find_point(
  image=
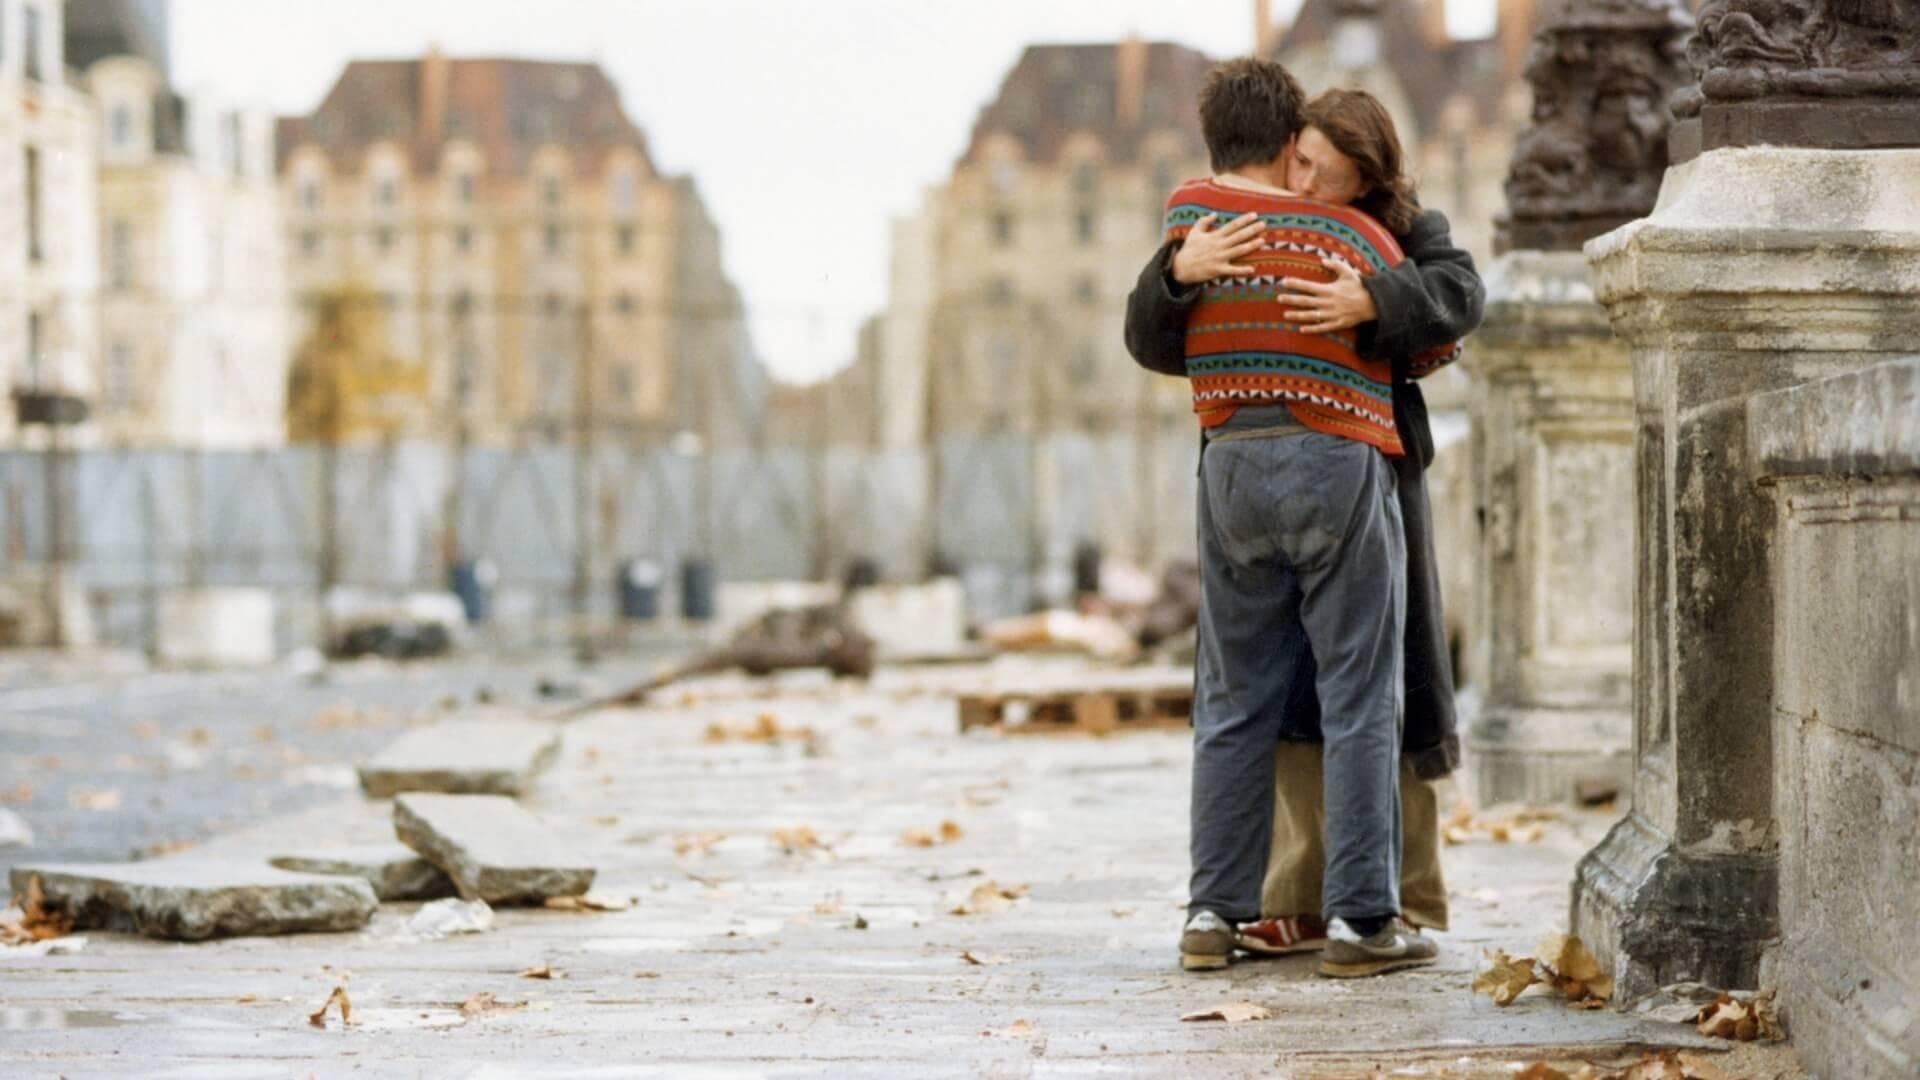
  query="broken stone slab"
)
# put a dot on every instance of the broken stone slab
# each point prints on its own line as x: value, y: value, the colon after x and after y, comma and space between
x: 195, y: 898
x: 473, y: 757
x: 492, y: 848
x: 395, y: 871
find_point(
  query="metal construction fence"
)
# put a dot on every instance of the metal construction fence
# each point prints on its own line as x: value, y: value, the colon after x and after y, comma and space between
x: 559, y: 525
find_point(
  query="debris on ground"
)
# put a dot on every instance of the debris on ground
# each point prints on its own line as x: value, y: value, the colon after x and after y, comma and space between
x: 472, y: 757
x: 193, y: 898
x: 1594, y: 791
x: 1562, y: 962
x: 445, y: 918
x: 989, y: 897
x: 697, y: 843
x: 984, y: 959
x: 1099, y: 636
x: 1744, y: 1018
x: 799, y: 838
x: 485, y: 1003
x: 591, y: 902
x: 395, y: 871
x: 32, y: 922
x: 784, y: 639
x: 1665, y: 1065
x: 1502, y: 824
x: 318, y: 1018
x: 766, y: 728
x: 544, y: 972
x: 949, y: 832
x: 1237, y: 1012
x: 492, y: 848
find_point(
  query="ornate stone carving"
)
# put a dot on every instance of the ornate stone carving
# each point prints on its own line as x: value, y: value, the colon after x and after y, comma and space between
x: 1601, y: 72
x: 1820, y: 73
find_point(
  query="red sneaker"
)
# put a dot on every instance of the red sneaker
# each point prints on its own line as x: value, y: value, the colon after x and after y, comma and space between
x: 1284, y: 935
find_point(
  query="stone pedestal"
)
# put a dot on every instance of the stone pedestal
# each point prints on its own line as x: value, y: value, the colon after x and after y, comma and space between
x: 1760, y: 269
x: 1553, y: 424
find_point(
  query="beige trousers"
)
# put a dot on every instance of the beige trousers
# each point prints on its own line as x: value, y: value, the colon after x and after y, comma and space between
x: 1298, y: 855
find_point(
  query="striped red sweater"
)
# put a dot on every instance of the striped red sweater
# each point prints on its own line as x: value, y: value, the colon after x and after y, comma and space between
x: 1240, y: 349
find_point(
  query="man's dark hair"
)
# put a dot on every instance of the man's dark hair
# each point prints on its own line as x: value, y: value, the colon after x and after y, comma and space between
x: 1249, y: 108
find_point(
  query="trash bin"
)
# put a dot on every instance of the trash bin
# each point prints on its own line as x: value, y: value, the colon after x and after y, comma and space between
x: 473, y: 582
x: 640, y: 589
x: 696, y: 589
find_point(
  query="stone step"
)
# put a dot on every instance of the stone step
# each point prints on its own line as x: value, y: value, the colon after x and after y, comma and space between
x: 395, y: 871
x: 194, y: 898
x: 492, y: 848
x: 475, y: 757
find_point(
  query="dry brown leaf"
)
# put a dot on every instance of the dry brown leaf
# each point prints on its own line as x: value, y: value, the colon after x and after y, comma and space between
x: 36, y: 923
x: 980, y: 960
x: 1728, y: 1017
x: 1530, y: 834
x: 1506, y: 977
x: 1455, y: 835
x: 988, y: 897
x: 1462, y: 815
x: 1540, y: 1070
x: 950, y: 832
x: 484, y: 1003
x: 88, y: 799
x: 1237, y: 1012
x: 797, y: 839
x: 697, y: 843
x: 338, y: 997
x: 1698, y: 1068
x: 544, y: 971
x: 646, y: 974
x: 588, y: 902
x: 917, y: 838
x: 246, y: 999
x: 1020, y: 1027
x: 830, y: 906
x: 1575, y: 972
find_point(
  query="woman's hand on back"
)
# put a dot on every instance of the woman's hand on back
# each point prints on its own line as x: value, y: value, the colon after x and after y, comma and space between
x: 1341, y: 304
x: 1208, y: 254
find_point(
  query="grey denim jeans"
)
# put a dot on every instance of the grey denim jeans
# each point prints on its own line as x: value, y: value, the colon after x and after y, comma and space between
x: 1303, y: 591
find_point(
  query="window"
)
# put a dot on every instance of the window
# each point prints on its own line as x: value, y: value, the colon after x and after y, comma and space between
x: 463, y: 239
x: 623, y: 303
x: 30, y: 30
x: 550, y: 191
x: 462, y: 305
x: 466, y: 375
x: 236, y: 145
x: 383, y: 240
x: 120, y: 253
x: 1086, y: 363
x: 386, y: 192
x: 36, y: 341
x: 463, y: 189
x: 552, y: 305
x: 1085, y: 226
x: 35, y: 250
x: 310, y: 193
x: 1002, y: 227
x: 624, y: 238
x: 119, y: 375
x: 620, y: 380
x: 310, y: 243
x: 120, y: 126
x: 391, y: 303
x: 624, y: 187
x: 554, y: 240
x: 1000, y: 292
x: 1084, y: 289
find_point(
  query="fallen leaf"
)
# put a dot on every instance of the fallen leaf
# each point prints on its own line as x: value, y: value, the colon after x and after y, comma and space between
x: 88, y: 799
x: 917, y: 838
x: 544, y: 971
x: 21, y: 793
x: 1237, y: 1012
x: 829, y: 906
x: 483, y: 1003
x: 169, y: 847
x: 338, y: 997
x: 697, y: 843
x: 988, y: 897
x: 1540, y: 1070
x: 1455, y: 835
x: 988, y: 960
x: 797, y: 839
x: 588, y: 902
x: 1506, y: 978
x: 1728, y: 1017
x: 1576, y: 974
x: 246, y: 999
x: 263, y: 733
x: 950, y: 832
x: 200, y: 736
x: 1019, y: 1027
x: 36, y: 923
x: 646, y: 974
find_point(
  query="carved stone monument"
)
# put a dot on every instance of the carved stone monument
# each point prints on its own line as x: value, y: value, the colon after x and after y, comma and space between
x: 1826, y: 74
x: 1553, y: 410
x: 1772, y: 303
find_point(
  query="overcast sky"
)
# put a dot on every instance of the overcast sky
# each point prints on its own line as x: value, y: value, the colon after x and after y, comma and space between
x: 808, y: 124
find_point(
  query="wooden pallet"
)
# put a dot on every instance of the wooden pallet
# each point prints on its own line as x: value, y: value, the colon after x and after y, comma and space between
x: 1078, y: 710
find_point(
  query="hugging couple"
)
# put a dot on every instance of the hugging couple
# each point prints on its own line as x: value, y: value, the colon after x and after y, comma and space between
x: 1302, y: 291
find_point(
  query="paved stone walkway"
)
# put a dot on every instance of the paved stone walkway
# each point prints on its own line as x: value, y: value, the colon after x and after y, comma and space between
x: 783, y: 926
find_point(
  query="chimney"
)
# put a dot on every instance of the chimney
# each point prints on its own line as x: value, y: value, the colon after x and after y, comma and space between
x: 1129, y: 79
x: 1434, y: 24
x: 432, y: 121
x: 1262, y: 27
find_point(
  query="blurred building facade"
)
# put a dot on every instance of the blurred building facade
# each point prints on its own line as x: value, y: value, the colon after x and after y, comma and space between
x: 528, y: 254
x: 49, y: 260
x: 193, y: 305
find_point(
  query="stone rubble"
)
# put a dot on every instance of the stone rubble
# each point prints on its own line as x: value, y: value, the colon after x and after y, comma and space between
x: 395, y: 871
x: 196, y: 898
x: 492, y: 848
x: 474, y: 757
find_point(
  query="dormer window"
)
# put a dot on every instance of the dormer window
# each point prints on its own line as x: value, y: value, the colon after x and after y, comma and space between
x: 309, y: 193
x: 120, y: 126
x: 550, y: 191
x: 463, y: 189
x: 386, y: 191
x: 624, y: 191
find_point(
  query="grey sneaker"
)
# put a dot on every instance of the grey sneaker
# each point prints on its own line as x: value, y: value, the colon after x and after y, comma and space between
x: 1207, y: 943
x: 1396, y: 946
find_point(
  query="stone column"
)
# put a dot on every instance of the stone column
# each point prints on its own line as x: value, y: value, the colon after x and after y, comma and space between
x: 1761, y: 268
x: 1553, y: 411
